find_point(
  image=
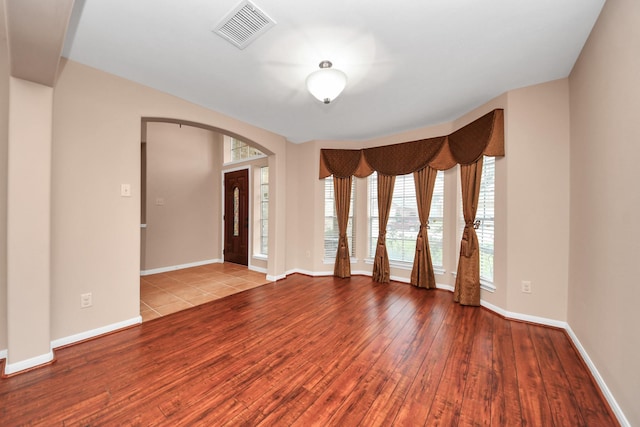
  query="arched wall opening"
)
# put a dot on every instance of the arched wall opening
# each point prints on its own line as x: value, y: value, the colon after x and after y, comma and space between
x: 182, y: 189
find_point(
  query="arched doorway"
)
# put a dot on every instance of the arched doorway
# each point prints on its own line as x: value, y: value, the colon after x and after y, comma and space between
x: 182, y: 217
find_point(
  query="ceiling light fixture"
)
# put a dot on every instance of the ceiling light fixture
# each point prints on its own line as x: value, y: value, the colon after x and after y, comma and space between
x: 326, y: 83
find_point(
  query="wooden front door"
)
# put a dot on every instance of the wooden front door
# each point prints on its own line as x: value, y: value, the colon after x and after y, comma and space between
x: 236, y: 217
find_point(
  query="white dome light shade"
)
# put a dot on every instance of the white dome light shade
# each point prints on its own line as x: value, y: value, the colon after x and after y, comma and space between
x: 326, y: 83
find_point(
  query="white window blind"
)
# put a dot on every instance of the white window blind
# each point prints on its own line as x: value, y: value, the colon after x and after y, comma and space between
x: 436, y: 222
x: 485, y: 214
x: 403, y: 224
x: 331, y: 231
x: 485, y: 218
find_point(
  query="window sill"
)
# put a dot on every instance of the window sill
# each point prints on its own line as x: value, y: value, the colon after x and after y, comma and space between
x: 401, y: 265
x: 484, y: 285
x: 261, y: 257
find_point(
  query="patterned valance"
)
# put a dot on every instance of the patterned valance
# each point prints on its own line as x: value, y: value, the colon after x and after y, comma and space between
x: 484, y: 136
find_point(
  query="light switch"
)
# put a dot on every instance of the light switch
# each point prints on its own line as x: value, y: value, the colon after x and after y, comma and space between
x: 125, y: 190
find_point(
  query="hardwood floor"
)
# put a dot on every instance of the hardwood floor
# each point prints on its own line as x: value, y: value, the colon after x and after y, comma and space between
x: 315, y: 351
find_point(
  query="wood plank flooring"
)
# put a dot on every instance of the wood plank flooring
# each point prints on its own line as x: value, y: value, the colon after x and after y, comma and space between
x: 315, y: 351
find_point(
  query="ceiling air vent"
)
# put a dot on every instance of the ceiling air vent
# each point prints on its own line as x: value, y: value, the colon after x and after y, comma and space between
x: 244, y: 24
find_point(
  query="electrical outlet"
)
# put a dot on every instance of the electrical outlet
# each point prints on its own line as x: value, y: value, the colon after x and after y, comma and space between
x: 86, y: 300
x: 526, y: 286
x: 125, y: 190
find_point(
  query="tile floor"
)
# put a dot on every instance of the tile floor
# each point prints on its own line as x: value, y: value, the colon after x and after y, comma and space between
x: 166, y: 293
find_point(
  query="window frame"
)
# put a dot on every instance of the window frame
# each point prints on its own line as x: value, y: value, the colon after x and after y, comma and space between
x: 329, y: 197
x: 399, y: 222
x: 263, y: 185
x: 372, y: 197
x: 485, y: 284
x: 438, y: 193
x: 486, y: 215
x: 232, y: 145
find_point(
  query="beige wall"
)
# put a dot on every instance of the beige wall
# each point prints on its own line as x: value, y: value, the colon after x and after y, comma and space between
x: 183, y: 170
x: 605, y: 146
x: 4, y: 124
x: 537, y: 200
x: 28, y: 221
x: 304, y: 229
x: 95, y: 231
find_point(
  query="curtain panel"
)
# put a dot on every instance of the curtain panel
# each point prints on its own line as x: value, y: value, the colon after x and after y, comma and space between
x: 467, y: 288
x: 381, y: 269
x: 422, y: 273
x: 342, y: 192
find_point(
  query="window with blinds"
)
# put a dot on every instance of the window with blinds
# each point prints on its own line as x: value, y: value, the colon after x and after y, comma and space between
x: 485, y: 218
x: 436, y: 222
x: 485, y: 214
x: 331, y: 231
x: 404, y: 222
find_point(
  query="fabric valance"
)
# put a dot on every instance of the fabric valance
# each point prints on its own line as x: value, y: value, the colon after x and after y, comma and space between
x: 484, y: 136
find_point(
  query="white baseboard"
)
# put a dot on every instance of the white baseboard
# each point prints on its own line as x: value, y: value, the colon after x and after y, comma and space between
x: 258, y: 269
x: 330, y: 273
x: 325, y: 273
x: 95, y: 332
x: 524, y: 317
x: 12, y: 368
x: 360, y: 273
x: 449, y: 288
x: 398, y: 278
x: 308, y: 272
x: 180, y: 266
x: 603, y: 386
x: 276, y: 278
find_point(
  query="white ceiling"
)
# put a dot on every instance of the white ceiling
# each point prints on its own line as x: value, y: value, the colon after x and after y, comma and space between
x: 410, y: 63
